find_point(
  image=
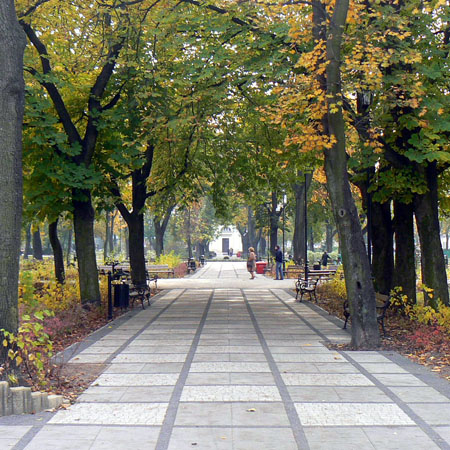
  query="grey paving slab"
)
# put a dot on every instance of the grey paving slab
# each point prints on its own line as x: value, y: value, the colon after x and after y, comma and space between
x: 351, y: 414
x: 432, y: 413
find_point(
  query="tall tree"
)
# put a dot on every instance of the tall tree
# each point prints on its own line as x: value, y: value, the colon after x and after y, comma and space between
x: 12, y: 44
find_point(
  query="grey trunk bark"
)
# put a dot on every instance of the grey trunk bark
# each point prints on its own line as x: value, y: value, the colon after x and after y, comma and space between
x: 427, y: 219
x: 28, y: 250
x: 405, y: 268
x: 37, y: 245
x: 383, y: 247
x: 12, y: 45
x: 83, y: 221
x: 360, y: 291
x: 58, y: 256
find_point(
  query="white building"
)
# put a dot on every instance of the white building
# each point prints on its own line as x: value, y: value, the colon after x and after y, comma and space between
x: 229, y: 238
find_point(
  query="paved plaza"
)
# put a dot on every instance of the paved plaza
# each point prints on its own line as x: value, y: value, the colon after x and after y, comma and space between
x: 223, y: 362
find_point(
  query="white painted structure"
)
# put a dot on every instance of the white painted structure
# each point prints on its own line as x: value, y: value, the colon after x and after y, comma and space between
x: 228, y: 237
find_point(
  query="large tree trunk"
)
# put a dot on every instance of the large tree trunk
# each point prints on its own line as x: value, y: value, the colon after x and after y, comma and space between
x: 12, y: 44
x: 427, y: 219
x: 37, y: 245
x: 382, y: 244
x: 360, y: 291
x: 135, y: 224
x: 83, y: 221
x: 28, y: 250
x: 405, y: 268
x: 298, y: 242
x: 58, y: 256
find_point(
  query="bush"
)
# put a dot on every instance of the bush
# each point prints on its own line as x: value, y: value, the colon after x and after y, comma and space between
x: 171, y: 259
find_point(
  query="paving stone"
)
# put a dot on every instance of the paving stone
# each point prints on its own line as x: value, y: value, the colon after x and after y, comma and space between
x: 259, y: 414
x: 229, y: 367
x: 315, y: 358
x: 324, y: 379
x: 204, y: 414
x: 142, y: 358
x: 112, y: 414
x: 323, y: 438
x: 230, y: 393
x: 124, y: 438
x: 149, y: 394
x: 399, y: 380
x: 413, y: 394
x: 444, y: 432
x: 264, y: 439
x: 383, y: 368
x: 139, y: 379
x: 351, y: 414
x: 393, y: 438
x: 432, y: 413
x: 205, y: 438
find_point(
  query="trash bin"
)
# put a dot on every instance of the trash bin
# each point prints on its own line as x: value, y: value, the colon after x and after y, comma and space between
x: 121, y: 295
x: 260, y: 266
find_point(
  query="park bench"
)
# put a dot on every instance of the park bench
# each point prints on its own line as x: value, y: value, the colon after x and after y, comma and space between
x: 140, y: 292
x: 160, y: 269
x: 294, y: 271
x: 308, y: 286
x: 382, y: 304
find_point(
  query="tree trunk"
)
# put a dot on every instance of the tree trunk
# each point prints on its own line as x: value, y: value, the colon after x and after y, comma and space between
x: 311, y: 238
x: 160, y: 230
x: 405, y: 268
x: 360, y: 292
x: 427, y: 219
x: 69, y: 247
x: 135, y: 224
x: 329, y: 238
x: 58, y: 256
x: 383, y: 247
x: 298, y: 241
x: 37, y: 245
x: 83, y: 221
x: 12, y: 44
x: 28, y: 250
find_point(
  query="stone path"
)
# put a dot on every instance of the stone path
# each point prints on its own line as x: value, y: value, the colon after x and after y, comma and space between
x: 239, y: 368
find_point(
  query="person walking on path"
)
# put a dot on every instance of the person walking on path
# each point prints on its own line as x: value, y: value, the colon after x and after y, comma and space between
x: 278, y: 263
x: 251, y: 262
x: 325, y: 258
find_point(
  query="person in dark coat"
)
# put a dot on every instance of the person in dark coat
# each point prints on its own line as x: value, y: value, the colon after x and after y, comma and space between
x: 278, y: 263
x: 325, y: 258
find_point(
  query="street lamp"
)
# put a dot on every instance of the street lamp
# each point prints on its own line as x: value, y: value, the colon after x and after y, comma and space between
x: 284, y: 221
x: 306, y: 231
x: 268, y: 206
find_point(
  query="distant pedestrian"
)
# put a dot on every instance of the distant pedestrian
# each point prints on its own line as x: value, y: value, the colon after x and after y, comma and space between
x: 278, y: 263
x: 251, y: 262
x: 325, y: 258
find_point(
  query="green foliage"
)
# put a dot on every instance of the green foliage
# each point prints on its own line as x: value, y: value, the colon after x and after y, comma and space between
x: 31, y: 347
x: 171, y: 259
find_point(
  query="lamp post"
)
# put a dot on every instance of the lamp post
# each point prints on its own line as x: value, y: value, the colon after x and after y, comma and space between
x: 306, y: 232
x: 268, y: 207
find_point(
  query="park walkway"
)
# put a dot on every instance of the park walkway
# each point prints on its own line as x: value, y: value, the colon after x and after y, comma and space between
x: 239, y: 367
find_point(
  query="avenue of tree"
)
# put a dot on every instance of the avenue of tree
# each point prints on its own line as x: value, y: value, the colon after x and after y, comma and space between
x: 146, y: 107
